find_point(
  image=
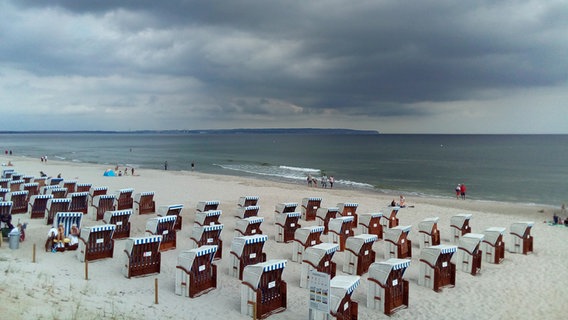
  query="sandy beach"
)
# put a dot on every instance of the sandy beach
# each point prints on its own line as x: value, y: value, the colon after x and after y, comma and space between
x: 529, y: 286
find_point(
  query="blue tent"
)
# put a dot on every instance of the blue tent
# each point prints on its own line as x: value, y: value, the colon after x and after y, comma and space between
x: 109, y: 173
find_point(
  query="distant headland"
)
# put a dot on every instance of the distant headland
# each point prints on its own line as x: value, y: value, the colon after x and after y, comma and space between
x: 211, y: 131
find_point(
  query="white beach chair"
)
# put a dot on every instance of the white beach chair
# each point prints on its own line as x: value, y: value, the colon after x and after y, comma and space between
x: 195, y: 272
x: 246, y: 250
x: 436, y: 269
x: 263, y: 287
x: 387, y: 290
x: 428, y: 232
x: 397, y: 244
x: 318, y: 258
x: 469, y: 253
x: 303, y: 238
x: 521, y: 236
x: 359, y: 253
x: 310, y: 207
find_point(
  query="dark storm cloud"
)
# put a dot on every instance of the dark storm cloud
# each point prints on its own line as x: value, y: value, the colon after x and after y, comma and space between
x: 380, y: 58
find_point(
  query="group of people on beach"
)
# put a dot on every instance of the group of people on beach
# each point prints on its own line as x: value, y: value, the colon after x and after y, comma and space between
x: 324, y: 181
x: 557, y: 217
x: 460, y: 191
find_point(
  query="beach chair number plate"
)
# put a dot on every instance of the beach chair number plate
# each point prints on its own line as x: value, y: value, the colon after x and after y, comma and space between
x: 148, y: 254
x: 313, y: 242
x: 346, y: 305
x: 366, y: 252
x: 201, y: 268
x: 253, y: 231
x: 346, y: 231
x: 402, y: 241
x: 209, y: 240
x: 375, y: 225
x: 252, y: 255
x: 315, y: 207
x: 119, y: 223
x: 292, y: 225
x: 326, y: 264
x: 165, y: 232
x: 101, y: 240
x: 271, y: 284
x: 444, y: 264
x: 395, y: 282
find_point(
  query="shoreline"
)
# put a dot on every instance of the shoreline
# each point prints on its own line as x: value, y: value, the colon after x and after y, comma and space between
x: 54, y: 287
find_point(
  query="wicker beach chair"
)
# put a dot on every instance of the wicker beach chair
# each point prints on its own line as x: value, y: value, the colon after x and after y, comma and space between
x: 359, y: 253
x: 246, y: 250
x: 96, y: 242
x: 436, y: 269
x: 163, y: 226
x: 263, y: 289
x: 387, y: 290
x: 142, y: 256
x: 303, y: 238
x: 172, y: 210
x: 195, y: 272
x: 144, y: 202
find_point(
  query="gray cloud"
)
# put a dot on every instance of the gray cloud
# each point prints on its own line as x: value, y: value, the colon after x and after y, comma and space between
x: 252, y: 63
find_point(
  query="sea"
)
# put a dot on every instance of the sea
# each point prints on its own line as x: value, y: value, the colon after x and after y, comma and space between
x: 530, y: 169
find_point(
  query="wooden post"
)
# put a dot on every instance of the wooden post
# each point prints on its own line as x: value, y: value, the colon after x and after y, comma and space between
x: 253, y: 309
x: 156, y: 291
x: 33, y: 253
x: 86, y: 269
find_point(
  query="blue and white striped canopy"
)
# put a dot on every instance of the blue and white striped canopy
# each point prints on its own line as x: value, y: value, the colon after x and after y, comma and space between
x: 204, y: 250
x: 147, y: 193
x: 6, y: 203
x: 280, y: 264
x: 252, y: 208
x: 400, y: 264
x: 252, y: 220
x: 17, y: 181
x: 211, y: 202
x: 175, y: 207
x: 293, y: 214
x: 44, y: 196
x: 126, y: 190
x: 212, y: 227
x: 290, y: 204
x: 167, y: 218
x: 105, y: 227
x: 446, y: 249
x: 349, y: 204
x: 19, y: 193
x: 84, y: 184
x: 4, y: 190
x: 107, y: 196
x: 316, y: 229
x: 69, y: 214
x: 314, y: 199
x: 346, y: 218
x: 212, y: 213
x: 61, y: 200
x: 100, y: 188
x: 31, y: 184
x: 255, y: 239
x: 144, y: 240
x: 78, y: 194
x: 122, y: 212
x: 251, y: 197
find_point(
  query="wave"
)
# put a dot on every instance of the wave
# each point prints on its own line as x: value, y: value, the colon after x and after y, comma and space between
x: 300, y: 169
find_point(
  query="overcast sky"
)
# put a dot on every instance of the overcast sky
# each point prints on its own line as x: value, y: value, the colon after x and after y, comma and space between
x: 393, y: 66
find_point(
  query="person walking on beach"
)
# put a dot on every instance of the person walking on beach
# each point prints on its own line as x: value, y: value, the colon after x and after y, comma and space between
x: 166, y: 165
x: 462, y: 191
x: 192, y: 165
x: 458, y: 191
x: 331, y: 181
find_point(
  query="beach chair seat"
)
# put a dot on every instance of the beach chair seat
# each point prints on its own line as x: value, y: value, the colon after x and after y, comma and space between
x: 3, y: 193
x: 303, y: 238
x: 246, y: 250
x: 248, y: 226
x: 102, y: 204
x: 493, y: 246
x: 56, y: 191
x: 387, y: 290
x: 54, y: 181
x: 370, y: 223
x: 124, y: 199
x: 96, y: 191
x: 436, y: 269
x: 96, y: 242
x: 428, y: 232
x: 323, y: 215
x: 7, y: 173
x: 19, y: 201
x: 55, y: 205
x: 208, y: 217
x: 248, y: 211
x: 359, y: 253
x: 284, y: 207
x: 391, y: 220
x: 38, y: 204
x: 144, y: 202
x: 79, y: 202
x: 397, y: 244
x: 521, y: 236
x: 349, y: 209
x: 68, y: 219
x: 172, y: 210
x: 286, y: 226
x: 28, y: 178
x: 121, y: 219
x: 41, y: 181
x: 6, y: 213
x: 83, y: 187
x: 340, y: 229
x: 208, y: 235
x: 262, y: 287
x: 469, y: 253
x: 142, y: 256
x: 207, y: 205
x: 318, y: 258
x: 195, y: 272
x: 31, y: 187
x: 70, y: 185
x: 341, y: 306
x: 15, y: 185
x: 248, y: 201
x: 17, y: 176
x: 310, y: 207
x: 460, y: 226
x: 163, y: 226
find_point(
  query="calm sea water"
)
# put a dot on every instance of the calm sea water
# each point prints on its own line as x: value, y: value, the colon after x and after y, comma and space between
x: 514, y: 168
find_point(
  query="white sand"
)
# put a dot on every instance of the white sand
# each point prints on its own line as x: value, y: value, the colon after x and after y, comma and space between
x: 522, y: 287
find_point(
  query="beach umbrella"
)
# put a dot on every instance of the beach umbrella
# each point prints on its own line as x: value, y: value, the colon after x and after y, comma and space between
x: 109, y: 173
